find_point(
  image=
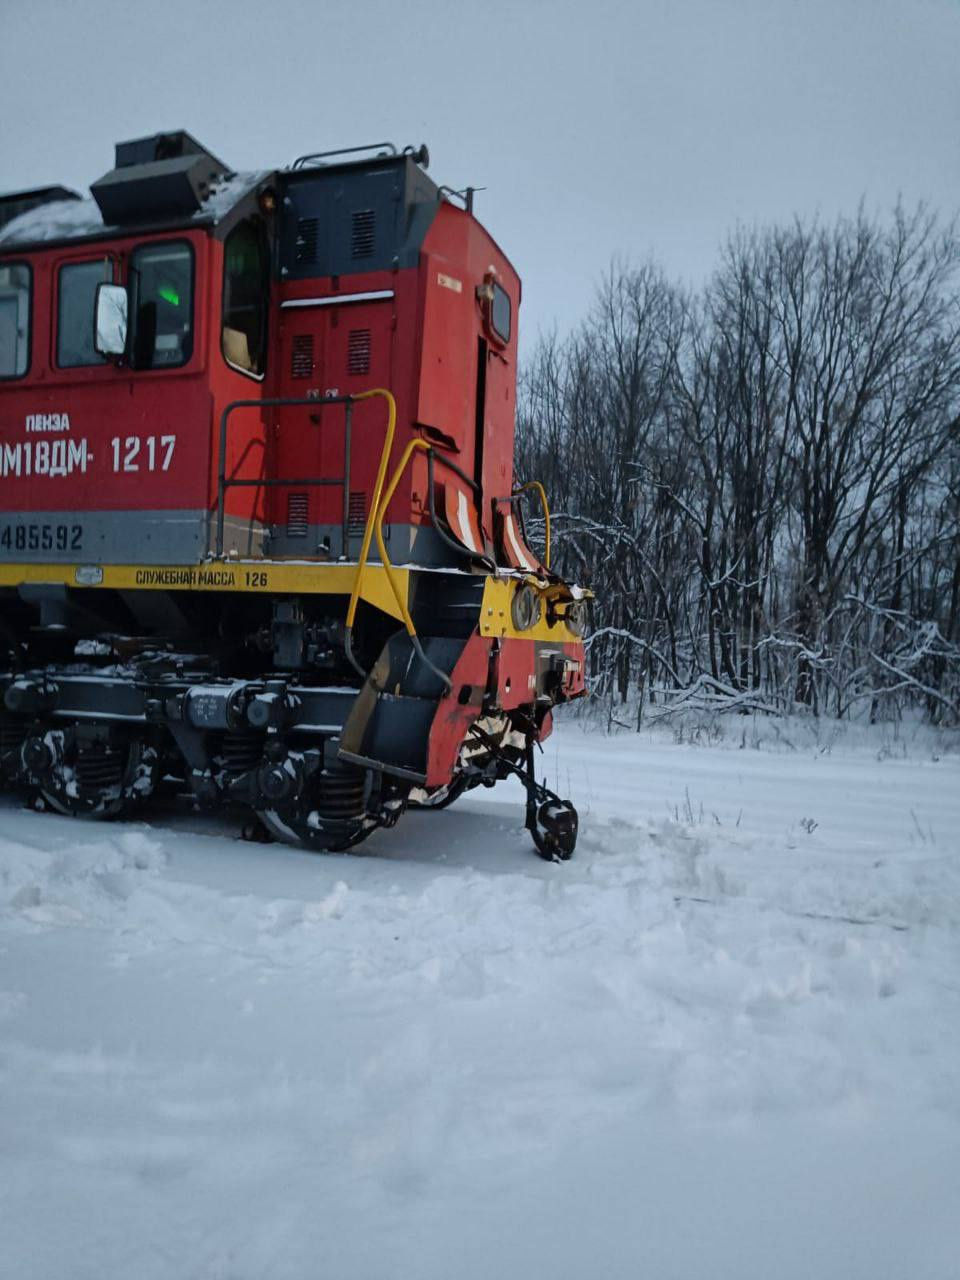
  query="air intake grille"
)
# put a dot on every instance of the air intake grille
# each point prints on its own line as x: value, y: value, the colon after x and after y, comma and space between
x: 301, y: 356
x: 358, y: 351
x: 298, y: 515
x: 364, y: 228
x: 307, y: 233
x: 357, y: 519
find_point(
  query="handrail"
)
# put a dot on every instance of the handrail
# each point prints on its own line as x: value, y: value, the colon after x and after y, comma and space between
x: 302, y: 161
x: 378, y: 508
x: 381, y: 511
x: 411, y: 447
x: 371, y: 518
x: 374, y: 529
x: 536, y: 485
x: 405, y: 457
x: 224, y: 483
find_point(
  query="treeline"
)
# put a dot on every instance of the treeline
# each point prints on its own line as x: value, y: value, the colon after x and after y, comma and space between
x: 761, y: 481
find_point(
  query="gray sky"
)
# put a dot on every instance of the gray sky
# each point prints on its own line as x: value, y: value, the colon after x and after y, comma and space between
x: 599, y: 129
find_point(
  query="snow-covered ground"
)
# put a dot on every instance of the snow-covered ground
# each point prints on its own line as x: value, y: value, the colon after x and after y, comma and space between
x: 723, y: 1042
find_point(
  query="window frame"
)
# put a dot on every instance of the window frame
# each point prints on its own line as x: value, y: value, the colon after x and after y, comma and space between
x: 65, y: 265
x: 503, y: 339
x: 23, y: 262
x: 261, y: 230
x: 130, y: 268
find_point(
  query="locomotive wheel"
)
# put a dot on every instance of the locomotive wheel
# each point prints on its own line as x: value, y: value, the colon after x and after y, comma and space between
x: 96, y: 781
x: 293, y: 826
x: 328, y: 816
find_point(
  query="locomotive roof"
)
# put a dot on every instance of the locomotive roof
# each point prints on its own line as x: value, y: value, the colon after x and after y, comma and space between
x: 62, y: 221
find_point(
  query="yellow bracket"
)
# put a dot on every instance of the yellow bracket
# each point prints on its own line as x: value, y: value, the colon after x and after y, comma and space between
x: 538, y: 487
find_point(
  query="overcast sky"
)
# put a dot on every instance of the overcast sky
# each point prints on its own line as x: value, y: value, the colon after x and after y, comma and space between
x: 598, y: 128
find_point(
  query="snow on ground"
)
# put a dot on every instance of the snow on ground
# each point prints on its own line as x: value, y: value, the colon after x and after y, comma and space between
x: 723, y: 1042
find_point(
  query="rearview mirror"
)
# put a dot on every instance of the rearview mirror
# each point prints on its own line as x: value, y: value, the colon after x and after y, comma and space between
x: 110, y: 332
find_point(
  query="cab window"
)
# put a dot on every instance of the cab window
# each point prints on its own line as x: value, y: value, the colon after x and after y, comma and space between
x: 161, y: 305
x: 500, y: 313
x: 14, y: 319
x: 246, y: 285
x: 76, y: 292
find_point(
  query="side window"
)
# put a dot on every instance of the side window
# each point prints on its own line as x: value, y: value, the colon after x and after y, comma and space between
x: 500, y: 313
x: 246, y: 285
x: 76, y: 292
x: 161, y: 305
x: 14, y: 319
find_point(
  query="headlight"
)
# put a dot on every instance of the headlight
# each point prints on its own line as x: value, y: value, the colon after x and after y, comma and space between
x: 575, y: 616
x: 525, y: 607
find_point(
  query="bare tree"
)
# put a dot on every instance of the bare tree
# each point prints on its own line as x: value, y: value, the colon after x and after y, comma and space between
x: 762, y: 482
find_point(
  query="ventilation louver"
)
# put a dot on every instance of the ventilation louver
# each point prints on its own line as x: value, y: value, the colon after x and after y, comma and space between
x: 358, y: 351
x: 298, y: 515
x: 301, y: 356
x: 357, y: 516
x: 364, y: 229
x: 307, y: 234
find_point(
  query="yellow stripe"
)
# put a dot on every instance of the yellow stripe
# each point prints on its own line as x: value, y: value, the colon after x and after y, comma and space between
x: 261, y: 576
x: 267, y: 577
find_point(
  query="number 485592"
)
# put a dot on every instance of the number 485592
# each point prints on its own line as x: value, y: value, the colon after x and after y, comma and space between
x: 143, y: 453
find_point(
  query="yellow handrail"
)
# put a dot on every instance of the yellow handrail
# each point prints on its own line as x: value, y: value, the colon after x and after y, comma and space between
x: 412, y: 446
x: 535, y: 484
x: 375, y: 504
x: 374, y: 528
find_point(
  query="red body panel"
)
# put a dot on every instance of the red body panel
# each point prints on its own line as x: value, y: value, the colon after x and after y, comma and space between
x: 107, y: 402
x: 336, y: 350
x: 136, y: 440
x: 420, y: 340
x: 458, y: 249
x: 423, y: 341
x: 454, y: 717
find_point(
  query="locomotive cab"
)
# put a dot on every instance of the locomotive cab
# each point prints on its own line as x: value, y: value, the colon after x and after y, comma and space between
x: 256, y: 461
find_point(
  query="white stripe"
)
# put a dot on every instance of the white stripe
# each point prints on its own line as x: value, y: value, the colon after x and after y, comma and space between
x: 515, y: 543
x: 378, y: 295
x: 466, y: 529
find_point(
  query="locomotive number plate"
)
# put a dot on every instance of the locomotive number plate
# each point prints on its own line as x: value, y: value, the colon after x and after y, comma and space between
x: 41, y: 537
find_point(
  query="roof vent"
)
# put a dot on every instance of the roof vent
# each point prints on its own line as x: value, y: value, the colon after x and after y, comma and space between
x: 168, y: 175
x: 364, y: 231
x: 308, y: 230
x: 162, y: 146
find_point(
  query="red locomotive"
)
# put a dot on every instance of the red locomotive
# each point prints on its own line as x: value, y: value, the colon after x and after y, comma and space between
x: 259, y: 536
